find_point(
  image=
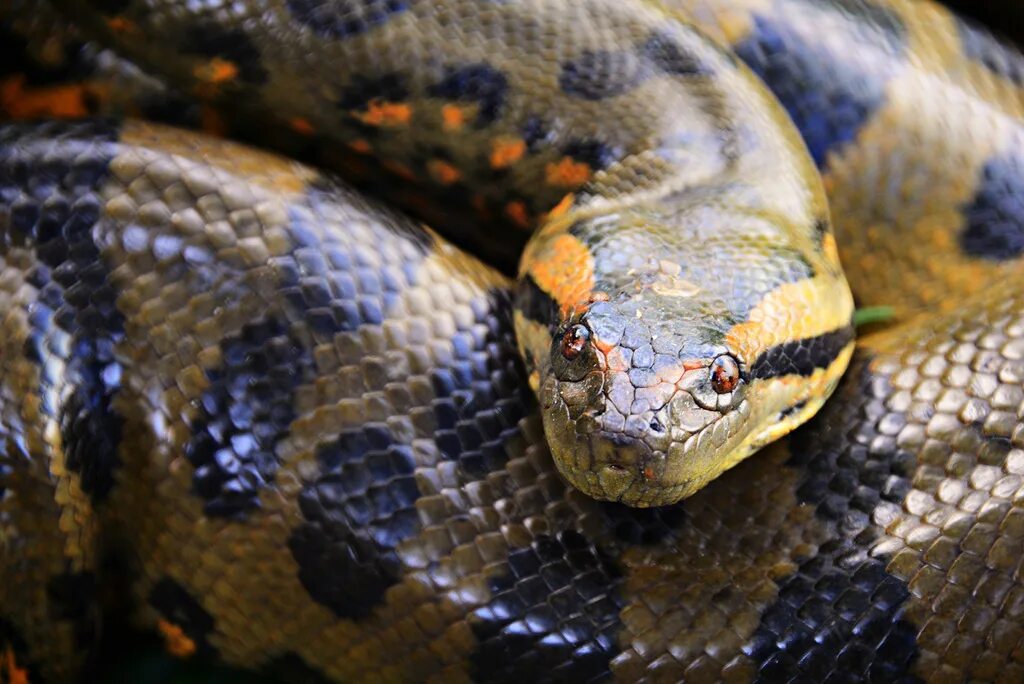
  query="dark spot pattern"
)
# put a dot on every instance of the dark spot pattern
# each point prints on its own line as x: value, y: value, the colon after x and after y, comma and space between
x: 839, y: 617
x: 994, y: 218
x: 803, y: 356
x: 594, y: 153
x: 828, y: 102
x: 361, y: 91
x: 474, y: 83
x: 245, y: 413
x: 344, y: 18
x: 553, y: 615
x: 536, y: 304
x: 210, y: 40
x: 55, y: 209
x: 979, y: 45
x: 600, y: 74
x: 182, y: 610
x: 72, y: 598
x: 361, y: 506
x: 662, y: 50
x: 821, y: 227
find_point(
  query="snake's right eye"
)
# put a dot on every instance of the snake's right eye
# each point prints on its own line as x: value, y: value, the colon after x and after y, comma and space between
x: 725, y: 374
x: 574, y: 341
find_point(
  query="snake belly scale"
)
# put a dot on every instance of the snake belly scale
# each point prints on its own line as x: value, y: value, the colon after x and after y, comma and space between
x: 306, y: 426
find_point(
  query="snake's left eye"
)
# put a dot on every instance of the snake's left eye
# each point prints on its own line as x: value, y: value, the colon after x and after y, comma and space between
x: 574, y: 341
x: 725, y: 374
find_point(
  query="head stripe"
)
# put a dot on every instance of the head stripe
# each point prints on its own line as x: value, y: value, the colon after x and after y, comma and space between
x: 803, y: 356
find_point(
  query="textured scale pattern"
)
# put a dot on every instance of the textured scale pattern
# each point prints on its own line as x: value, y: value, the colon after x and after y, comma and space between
x: 302, y: 422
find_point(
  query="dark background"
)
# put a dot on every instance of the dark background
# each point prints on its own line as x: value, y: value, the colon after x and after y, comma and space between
x: 1005, y: 17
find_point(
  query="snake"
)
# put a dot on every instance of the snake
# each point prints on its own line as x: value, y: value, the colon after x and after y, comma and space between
x: 293, y: 429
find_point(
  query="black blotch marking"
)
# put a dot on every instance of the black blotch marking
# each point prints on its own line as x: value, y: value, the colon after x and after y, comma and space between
x: 245, y: 412
x: 994, y: 218
x: 344, y: 18
x: 802, y: 357
x: 790, y: 410
x: 73, y: 597
x: 821, y: 227
x: 840, y: 615
x: 553, y: 615
x: 594, y: 153
x: 980, y: 46
x: 536, y: 134
x: 536, y: 304
x: 828, y: 102
x: 474, y: 83
x: 361, y: 506
x: 600, y: 74
x: 668, y: 56
x: 210, y: 40
x: 643, y: 526
x: 362, y: 90
x: 50, y: 177
x: 181, y: 609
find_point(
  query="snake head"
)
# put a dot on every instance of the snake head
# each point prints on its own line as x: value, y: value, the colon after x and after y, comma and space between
x: 661, y: 377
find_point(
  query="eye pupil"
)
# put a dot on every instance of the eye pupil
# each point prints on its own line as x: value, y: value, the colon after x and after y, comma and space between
x: 725, y: 374
x: 574, y: 341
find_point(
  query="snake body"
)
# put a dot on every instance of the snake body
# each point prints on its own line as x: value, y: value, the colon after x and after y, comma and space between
x: 305, y: 422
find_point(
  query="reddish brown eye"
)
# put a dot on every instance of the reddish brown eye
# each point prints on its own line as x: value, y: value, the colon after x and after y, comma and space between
x: 725, y: 374
x: 574, y: 341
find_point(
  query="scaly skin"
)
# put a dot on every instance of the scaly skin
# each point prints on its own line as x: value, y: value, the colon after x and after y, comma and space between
x: 303, y: 422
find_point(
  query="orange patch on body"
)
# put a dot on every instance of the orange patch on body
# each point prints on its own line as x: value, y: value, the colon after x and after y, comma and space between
x: 506, y: 151
x: 385, y: 114
x: 361, y: 146
x: 517, y: 212
x: 64, y: 101
x: 300, y: 125
x: 561, y: 208
x: 399, y: 169
x: 216, y: 71
x: 178, y: 643
x: 453, y: 116
x: 15, y: 674
x: 443, y: 172
x: 564, y: 268
x: 120, y: 25
x: 567, y: 172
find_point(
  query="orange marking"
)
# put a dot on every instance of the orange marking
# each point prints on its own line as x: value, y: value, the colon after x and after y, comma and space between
x: 517, y: 212
x: 564, y: 269
x: 399, y: 169
x: 649, y: 472
x: 64, y: 101
x: 692, y: 365
x: 360, y: 146
x: 454, y: 117
x: 561, y: 208
x: 178, y: 643
x: 385, y: 114
x: 120, y: 24
x: 567, y: 172
x: 443, y: 172
x: 15, y: 674
x: 302, y: 126
x: 216, y: 71
x: 506, y: 151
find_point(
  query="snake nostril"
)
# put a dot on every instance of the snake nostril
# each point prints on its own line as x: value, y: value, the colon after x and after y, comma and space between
x: 657, y: 426
x: 615, y: 467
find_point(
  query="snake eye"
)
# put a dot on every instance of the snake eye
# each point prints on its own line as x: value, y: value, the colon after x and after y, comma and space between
x: 574, y: 341
x: 725, y: 374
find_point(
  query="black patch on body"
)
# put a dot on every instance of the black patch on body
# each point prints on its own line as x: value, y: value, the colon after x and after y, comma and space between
x: 210, y: 40
x: 1000, y: 59
x: 389, y: 88
x: 72, y: 597
x: 594, y: 153
x: 669, y: 57
x: 536, y: 304
x: 994, y: 218
x: 839, y: 617
x: 474, y: 83
x: 245, y: 413
x: 50, y: 176
x: 181, y: 609
x: 802, y: 357
x: 553, y: 614
x: 344, y: 18
x: 827, y: 100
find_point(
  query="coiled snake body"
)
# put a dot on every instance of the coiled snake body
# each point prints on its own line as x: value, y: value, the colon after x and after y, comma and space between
x: 305, y: 426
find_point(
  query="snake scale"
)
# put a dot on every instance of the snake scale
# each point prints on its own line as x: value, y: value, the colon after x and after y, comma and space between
x: 296, y: 431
